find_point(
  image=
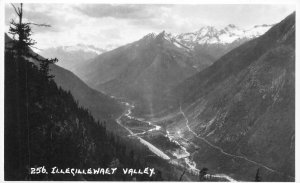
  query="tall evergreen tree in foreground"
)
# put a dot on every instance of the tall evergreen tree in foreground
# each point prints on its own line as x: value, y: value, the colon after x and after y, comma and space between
x: 257, y: 176
x: 21, y: 33
x: 19, y: 50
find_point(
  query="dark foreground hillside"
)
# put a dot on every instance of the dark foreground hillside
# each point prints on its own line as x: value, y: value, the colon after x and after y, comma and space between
x: 44, y: 126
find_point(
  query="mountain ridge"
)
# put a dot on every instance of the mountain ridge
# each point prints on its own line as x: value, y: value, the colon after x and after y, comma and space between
x: 141, y: 70
x: 226, y: 35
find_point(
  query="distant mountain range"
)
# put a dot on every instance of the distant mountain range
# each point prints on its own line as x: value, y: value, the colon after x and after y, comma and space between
x: 226, y: 35
x: 206, y: 45
x: 209, y: 43
x: 70, y: 57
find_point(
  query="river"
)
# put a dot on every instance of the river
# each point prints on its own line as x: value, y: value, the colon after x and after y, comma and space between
x: 179, y: 157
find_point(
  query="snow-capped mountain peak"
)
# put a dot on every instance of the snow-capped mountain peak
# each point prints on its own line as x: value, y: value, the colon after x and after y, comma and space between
x: 84, y: 48
x: 207, y: 31
x: 210, y: 35
x: 257, y: 30
x: 150, y: 36
x: 226, y: 35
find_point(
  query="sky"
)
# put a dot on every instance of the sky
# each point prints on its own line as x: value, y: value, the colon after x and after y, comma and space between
x: 108, y: 26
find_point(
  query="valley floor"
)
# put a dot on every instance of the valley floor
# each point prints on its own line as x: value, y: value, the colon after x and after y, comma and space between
x: 174, y: 148
x: 180, y: 148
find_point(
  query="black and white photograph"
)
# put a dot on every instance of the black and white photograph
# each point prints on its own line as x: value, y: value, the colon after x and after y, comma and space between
x: 127, y: 91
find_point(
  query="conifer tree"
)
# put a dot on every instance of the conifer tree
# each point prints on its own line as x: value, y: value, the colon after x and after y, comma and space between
x: 257, y: 176
x: 21, y: 33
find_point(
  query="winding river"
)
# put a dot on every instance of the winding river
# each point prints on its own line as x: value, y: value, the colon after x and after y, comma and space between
x: 181, y: 158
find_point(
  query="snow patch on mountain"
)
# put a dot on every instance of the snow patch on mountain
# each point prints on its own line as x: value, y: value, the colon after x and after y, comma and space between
x: 83, y: 47
x: 172, y: 39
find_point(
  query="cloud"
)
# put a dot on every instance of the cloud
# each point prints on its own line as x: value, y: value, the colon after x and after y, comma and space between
x: 59, y: 16
x: 170, y: 19
x: 116, y: 11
